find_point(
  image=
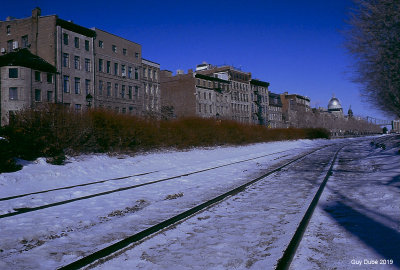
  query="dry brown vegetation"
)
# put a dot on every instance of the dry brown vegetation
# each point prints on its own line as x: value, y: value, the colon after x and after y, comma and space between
x: 53, y: 132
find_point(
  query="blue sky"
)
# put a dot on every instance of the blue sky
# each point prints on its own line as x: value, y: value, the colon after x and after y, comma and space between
x: 296, y: 46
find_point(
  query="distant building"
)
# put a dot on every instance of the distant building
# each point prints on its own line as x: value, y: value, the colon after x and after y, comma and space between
x: 275, y: 119
x: 26, y: 80
x: 193, y: 94
x: 396, y: 126
x: 118, y: 78
x: 240, y: 89
x: 293, y: 107
x: 335, y: 107
x: 151, y: 88
x: 259, y: 105
x: 221, y: 92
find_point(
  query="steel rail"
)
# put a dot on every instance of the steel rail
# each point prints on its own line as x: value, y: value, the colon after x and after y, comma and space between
x: 129, y: 176
x: 87, y: 260
x: 287, y: 257
x: 20, y: 211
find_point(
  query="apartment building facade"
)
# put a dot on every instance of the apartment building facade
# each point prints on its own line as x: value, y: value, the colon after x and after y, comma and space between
x: 94, y: 68
x: 26, y: 80
x: 215, y: 92
x: 118, y: 77
x: 151, y: 88
x: 240, y: 89
x: 275, y: 119
x: 194, y: 94
x: 259, y: 105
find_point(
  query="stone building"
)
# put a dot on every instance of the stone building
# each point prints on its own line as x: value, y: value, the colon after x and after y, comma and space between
x: 240, y: 89
x: 151, y: 88
x: 118, y: 76
x: 94, y: 68
x: 259, y: 104
x: 275, y: 119
x: 219, y: 92
x: 26, y: 80
x: 193, y: 94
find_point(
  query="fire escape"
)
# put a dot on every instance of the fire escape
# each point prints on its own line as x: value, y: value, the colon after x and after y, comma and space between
x: 259, y: 113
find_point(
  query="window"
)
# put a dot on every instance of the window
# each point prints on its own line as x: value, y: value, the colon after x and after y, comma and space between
x: 49, y: 78
x: 13, y: 93
x: 38, y: 76
x: 136, y: 55
x: 136, y: 73
x: 123, y: 91
x: 124, y: 51
x: 87, y: 65
x: 100, y: 65
x: 101, y: 45
x: 49, y: 96
x: 78, y: 107
x: 116, y: 90
x: 144, y: 72
x: 13, y: 73
x: 66, y: 60
x: 136, y: 91
x: 130, y: 92
x: 8, y: 29
x: 65, y: 38
x: 10, y: 46
x: 100, y: 88
x: 114, y: 48
x: 87, y: 45
x: 115, y: 68
x: 24, y: 41
x: 123, y: 70
x: 108, y: 89
x: 108, y: 67
x: 130, y: 72
x: 76, y: 41
x: 87, y: 86
x: 154, y: 75
x: 66, y: 84
x: 123, y: 110
x: 77, y: 62
x: 38, y: 95
x: 77, y: 85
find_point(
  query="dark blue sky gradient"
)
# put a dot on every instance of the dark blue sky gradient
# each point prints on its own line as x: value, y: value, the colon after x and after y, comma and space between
x: 297, y: 46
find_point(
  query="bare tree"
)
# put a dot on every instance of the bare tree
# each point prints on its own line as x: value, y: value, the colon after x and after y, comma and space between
x: 374, y: 40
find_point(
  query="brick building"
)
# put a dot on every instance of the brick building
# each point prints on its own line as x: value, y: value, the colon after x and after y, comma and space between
x: 293, y: 107
x: 89, y: 62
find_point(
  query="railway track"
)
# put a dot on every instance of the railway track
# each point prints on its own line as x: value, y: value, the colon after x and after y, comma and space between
x: 19, y: 211
x: 135, y: 238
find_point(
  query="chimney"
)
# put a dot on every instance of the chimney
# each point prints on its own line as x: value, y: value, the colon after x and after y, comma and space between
x: 36, y: 12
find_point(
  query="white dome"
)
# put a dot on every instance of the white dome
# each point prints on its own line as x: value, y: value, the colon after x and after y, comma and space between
x: 334, y: 105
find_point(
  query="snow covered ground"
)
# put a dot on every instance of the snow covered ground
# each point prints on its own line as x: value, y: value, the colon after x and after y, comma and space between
x: 52, y: 237
x: 356, y: 225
